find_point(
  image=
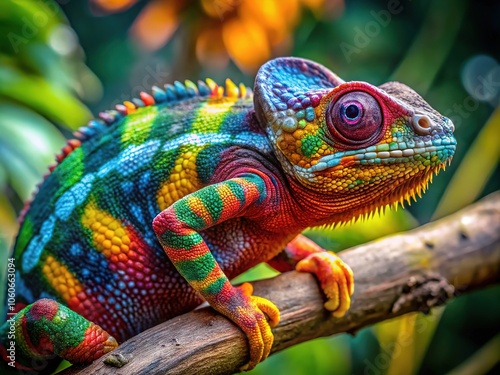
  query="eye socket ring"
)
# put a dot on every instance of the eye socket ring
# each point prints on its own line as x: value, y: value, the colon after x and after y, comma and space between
x: 355, y: 120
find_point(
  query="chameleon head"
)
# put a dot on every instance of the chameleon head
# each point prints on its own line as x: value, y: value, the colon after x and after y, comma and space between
x: 351, y: 139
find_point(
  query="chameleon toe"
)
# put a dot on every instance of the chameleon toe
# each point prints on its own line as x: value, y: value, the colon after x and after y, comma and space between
x: 335, y: 277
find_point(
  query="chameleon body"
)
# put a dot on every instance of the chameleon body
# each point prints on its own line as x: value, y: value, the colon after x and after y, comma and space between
x: 157, y: 205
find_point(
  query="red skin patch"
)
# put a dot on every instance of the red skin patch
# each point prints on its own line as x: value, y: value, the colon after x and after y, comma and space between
x: 45, y: 308
x: 94, y: 345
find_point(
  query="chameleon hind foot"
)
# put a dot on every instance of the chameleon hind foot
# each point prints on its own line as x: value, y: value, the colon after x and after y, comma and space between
x: 335, y: 277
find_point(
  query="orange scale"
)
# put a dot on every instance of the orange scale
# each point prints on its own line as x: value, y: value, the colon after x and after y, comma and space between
x: 74, y: 301
x: 115, y: 250
x: 98, y: 240
x: 116, y: 240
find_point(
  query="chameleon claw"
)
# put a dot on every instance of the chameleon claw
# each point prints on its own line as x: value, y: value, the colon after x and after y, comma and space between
x: 336, y: 279
x: 255, y: 316
x: 257, y: 327
x: 110, y: 344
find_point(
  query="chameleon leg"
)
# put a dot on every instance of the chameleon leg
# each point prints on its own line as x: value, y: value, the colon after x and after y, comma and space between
x: 335, y: 277
x: 177, y: 229
x: 46, y: 328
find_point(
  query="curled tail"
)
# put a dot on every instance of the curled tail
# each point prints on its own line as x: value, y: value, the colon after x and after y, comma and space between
x: 46, y: 330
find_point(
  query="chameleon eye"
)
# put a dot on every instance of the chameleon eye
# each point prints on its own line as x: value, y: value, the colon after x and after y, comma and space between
x: 355, y: 119
x: 351, y: 112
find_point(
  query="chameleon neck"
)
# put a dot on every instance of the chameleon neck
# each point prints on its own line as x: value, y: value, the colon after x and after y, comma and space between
x: 313, y: 208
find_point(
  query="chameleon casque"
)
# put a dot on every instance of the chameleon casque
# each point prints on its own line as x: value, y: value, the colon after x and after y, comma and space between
x: 158, y: 204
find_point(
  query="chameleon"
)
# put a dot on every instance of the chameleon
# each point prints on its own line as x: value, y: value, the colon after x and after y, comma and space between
x: 156, y: 205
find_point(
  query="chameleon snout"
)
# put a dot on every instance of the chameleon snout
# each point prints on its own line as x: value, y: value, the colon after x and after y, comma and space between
x: 424, y: 125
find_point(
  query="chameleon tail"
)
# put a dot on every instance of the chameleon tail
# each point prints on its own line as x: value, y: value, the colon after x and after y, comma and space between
x: 46, y: 329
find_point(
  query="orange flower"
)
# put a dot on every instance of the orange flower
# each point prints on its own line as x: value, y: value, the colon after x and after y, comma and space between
x: 112, y: 6
x: 247, y: 31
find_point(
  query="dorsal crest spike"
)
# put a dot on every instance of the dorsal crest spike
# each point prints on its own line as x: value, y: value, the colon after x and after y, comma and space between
x: 71, y: 144
x: 121, y: 109
x: 171, y: 93
x: 180, y: 90
x: 159, y: 95
x: 191, y: 87
x: 211, y: 84
x: 108, y: 116
x: 203, y: 88
x: 130, y: 107
x: 216, y: 91
x: 146, y: 98
x: 138, y: 102
x: 231, y: 89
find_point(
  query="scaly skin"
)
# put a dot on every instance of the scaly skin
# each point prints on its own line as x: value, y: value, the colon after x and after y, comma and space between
x: 159, y: 204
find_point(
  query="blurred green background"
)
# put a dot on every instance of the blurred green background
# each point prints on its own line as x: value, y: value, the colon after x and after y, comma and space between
x: 62, y: 61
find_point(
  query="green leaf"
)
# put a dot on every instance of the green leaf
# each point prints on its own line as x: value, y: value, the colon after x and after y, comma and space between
x: 56, y: 104
x: 30, y: 136
x: 28, y: 146
x: 475, y: 169
x: 431, y: 46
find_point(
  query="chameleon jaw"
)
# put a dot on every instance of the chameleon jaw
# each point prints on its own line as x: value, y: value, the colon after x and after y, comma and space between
x: 382, y: 154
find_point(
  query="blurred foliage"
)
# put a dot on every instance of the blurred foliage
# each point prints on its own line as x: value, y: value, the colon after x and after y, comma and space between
x: 42, y: 76
x: 220, y: 29
x: 447, y: 50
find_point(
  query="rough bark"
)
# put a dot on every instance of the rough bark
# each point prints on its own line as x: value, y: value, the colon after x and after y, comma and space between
x: 413, y: 271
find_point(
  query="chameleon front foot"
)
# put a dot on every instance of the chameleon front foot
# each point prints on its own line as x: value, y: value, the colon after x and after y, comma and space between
x: 255, y: 316
x: 336, y: 279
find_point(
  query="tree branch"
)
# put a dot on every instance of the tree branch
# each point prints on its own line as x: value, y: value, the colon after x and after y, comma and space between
x: 413, y: 271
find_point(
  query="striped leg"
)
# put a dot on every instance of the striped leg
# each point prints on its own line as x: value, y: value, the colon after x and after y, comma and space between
x: 335, y: 277
x: 46, y: 328
x: 177, y: 229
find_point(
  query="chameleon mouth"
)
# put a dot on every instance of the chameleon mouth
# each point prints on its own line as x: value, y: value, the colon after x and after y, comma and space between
x: 434, y: 152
